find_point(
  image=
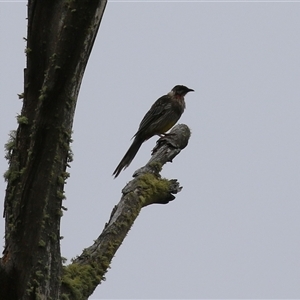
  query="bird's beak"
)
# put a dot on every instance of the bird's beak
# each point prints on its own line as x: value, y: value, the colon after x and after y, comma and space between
x: 191, y: 90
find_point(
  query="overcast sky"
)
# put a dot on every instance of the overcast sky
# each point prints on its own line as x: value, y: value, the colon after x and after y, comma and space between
x: 233, y: 231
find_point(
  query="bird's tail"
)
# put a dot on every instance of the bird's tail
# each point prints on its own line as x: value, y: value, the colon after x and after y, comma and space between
x: 129, y: 156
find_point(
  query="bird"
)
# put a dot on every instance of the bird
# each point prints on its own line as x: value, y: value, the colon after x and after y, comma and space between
x: 161, y: 117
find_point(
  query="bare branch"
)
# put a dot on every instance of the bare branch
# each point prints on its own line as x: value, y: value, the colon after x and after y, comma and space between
x: 88, y: 269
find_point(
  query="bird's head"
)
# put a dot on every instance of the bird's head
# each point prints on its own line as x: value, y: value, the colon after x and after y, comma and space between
x: 181, y: 90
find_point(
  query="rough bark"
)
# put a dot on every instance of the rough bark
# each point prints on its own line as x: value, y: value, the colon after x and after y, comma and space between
x: 146, y: 188
x: 59, y: 41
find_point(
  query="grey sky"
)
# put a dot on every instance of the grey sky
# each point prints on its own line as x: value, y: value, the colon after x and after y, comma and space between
x: 233, y: 231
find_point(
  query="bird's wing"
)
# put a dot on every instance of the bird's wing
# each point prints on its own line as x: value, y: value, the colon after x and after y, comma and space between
x: 157, y: 110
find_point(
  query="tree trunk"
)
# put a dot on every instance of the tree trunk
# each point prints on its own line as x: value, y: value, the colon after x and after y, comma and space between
x: 59, y: 41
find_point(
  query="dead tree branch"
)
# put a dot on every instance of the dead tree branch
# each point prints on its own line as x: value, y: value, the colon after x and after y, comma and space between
x: 146, y: 188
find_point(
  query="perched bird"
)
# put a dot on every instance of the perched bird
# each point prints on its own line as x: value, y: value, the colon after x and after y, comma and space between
x: 161, y: 117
